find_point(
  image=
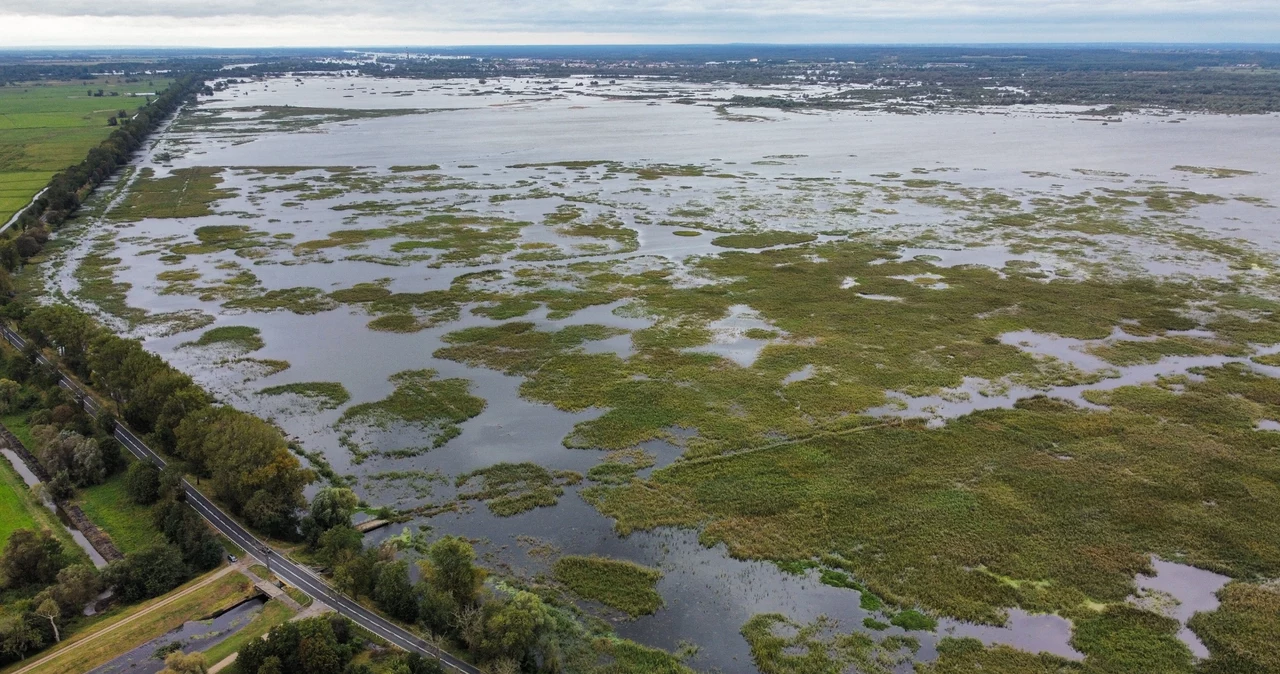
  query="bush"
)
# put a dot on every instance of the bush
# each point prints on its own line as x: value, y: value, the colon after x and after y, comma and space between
x: 142, y: 483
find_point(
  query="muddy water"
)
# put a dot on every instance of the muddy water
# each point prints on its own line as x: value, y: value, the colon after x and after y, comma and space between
x: 477, y: 137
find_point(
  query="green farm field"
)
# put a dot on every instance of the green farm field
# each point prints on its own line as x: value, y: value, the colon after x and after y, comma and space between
x: 48, y: 126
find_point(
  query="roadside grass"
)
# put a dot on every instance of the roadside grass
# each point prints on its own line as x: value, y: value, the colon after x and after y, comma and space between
x: 17, y: 507
x: 623, y: 585
x: 273, y: 613
x: 145, y: 623
x: 108, y: 505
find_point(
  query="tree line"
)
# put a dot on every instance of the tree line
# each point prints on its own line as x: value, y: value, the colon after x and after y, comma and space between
x: 246, y: 460
x: 45, y: 586
x: 68, y: 188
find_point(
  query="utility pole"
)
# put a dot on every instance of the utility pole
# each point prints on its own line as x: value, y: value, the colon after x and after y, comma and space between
x: 266, y: 556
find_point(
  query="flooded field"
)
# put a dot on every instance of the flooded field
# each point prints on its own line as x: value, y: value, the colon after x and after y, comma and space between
x: 642, y: 295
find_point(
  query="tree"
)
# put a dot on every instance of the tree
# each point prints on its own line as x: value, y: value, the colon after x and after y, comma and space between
x: 142, y: 482
x: 394, y: 593
x: 31, y: 558
x: 149, y: 572
x: 8, y: 394
x: 436, y: 609
x: 270, y: 665
x: 331, y: 507
x: 513, y: 626
x: 450, y: 567
x: 78, y: 585
x: 178, y: 662
x: 338, y: 540
x: 18, y: 637
x: 49, y: 610
x: 247, y: 459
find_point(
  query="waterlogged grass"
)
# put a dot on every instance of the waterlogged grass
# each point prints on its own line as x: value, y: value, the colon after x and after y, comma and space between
x: 858, y: 348
x: 968, y: 655
x: 626, y: 586
x: 433, y: 406
x: 239, y: 337
x: 941, y: 518
x: 1126, y: 640
x: 1213, y: 172
x: 184, y: 193
x: 300, y: 301
x: 402, y: 323
x: 1242, y: 632
x: 328, y: 395
x: 761, y: 239
x: 512, y: 488
x: 782, y: 646
x: 912, y: 620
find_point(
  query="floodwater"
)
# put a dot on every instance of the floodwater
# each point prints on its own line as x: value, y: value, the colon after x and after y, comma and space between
x: 833, y: 174
x: 1192, y: 590
x: 193, y: 635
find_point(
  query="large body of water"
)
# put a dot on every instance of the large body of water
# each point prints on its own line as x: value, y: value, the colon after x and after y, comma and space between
x: 478, y: 138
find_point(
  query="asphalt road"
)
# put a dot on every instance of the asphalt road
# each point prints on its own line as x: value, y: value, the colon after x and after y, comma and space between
x: 296, y: 575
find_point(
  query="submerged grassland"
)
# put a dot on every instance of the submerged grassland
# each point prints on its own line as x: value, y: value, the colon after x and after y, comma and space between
x: 949, y: 398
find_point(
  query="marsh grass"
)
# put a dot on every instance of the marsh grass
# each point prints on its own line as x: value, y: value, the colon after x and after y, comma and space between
x: 623, y: 585
x: 1242, y: 632
x: 420, y: 400
x: 185, y: 193
x: 328, y: 395
x: 764, y: 239
x: 240, y: 337
x: 512, y: 488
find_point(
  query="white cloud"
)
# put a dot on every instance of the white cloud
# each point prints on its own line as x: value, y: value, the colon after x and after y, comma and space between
x: 419, y: 22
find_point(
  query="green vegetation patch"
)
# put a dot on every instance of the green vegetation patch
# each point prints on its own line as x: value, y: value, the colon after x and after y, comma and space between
x: 184, y: 193
x: 128, y: 524
x: 623, y: 585
x: 328, y: 394
x: 397, y: 323
x: 762, y: 239
x: 1243, y: 632
x: 968, y: 655
x: 512, y: 488
x: 420, y: 400
x: 240, y: 337
x: 921, y: 515
x: 1128, y: 640
x: 782, y: 646
x: 1213, y: 172
x: 300, y: 301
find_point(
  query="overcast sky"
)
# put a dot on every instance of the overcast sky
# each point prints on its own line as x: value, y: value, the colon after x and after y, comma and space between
x: 242, y: 23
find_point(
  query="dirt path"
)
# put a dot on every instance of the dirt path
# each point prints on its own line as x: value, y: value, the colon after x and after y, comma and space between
x: 167, y: 600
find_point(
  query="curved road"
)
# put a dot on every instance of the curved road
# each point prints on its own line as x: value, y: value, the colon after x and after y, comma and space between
x: 297, y: 575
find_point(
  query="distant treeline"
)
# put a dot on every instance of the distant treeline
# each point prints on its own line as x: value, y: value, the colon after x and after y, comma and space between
x: 70, y: 187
